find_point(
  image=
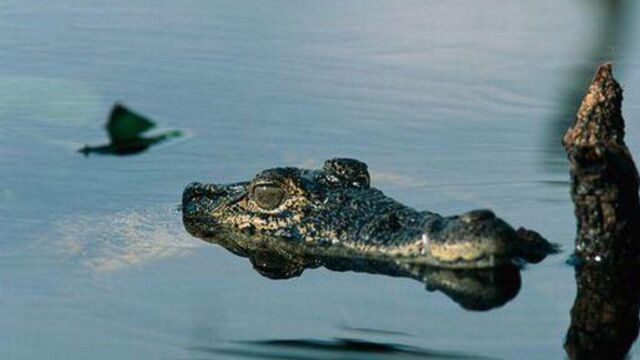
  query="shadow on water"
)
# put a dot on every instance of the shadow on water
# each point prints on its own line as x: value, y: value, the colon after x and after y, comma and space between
x: 307, y: 349
x: 604, y: 317
x: 125, y: 129
x: 607, y: 44
x: 274, y: 258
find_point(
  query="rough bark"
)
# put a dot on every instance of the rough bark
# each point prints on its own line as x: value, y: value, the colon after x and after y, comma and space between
x: 604, y: 179
x: 604, y: 189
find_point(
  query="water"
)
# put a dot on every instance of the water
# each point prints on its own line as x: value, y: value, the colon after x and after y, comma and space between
x: 450, y: 104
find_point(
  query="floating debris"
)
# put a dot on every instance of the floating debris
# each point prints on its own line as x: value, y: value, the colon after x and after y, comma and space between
x: 125, y: 129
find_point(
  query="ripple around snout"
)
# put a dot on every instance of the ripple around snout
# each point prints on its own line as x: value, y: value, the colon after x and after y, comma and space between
x: 111, y: 242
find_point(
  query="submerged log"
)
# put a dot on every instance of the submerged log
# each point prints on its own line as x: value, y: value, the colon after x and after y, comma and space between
x: 604, y: 189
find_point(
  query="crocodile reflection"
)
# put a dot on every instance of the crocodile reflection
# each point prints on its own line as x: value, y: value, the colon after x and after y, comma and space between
x: 276, y: 258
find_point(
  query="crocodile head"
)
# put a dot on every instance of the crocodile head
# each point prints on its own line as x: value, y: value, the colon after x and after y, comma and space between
x: 335, y: 210
x: 290, y: 202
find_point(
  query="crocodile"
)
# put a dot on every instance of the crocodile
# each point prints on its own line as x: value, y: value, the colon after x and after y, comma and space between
x: 334, y: 211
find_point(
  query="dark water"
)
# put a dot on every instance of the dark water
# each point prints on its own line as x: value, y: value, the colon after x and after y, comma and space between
x: 450, y: 103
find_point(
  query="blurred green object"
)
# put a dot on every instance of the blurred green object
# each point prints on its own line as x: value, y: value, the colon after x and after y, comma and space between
x: 125, y: 129
x: 125, y: 125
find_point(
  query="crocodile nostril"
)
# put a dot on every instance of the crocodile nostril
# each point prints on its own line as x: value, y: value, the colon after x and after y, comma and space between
x: 199, y: 189
x: 477, y: 215
x: 190, y: 191
x: 193, y: 186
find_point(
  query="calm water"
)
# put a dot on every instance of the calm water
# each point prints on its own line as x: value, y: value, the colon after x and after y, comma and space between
x: 449, y: 102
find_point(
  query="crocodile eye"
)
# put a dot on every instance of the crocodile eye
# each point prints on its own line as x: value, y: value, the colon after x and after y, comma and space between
x: 268, y: 196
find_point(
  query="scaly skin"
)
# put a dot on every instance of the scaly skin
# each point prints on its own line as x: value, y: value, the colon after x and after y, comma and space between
x: 334, y: 210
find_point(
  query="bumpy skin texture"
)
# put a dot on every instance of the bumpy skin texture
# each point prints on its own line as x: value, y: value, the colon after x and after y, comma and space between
x: 334, y: 210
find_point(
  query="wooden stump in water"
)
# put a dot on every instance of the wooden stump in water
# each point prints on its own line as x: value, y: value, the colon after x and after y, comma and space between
x: 604, y: 179
x: 604, y: 189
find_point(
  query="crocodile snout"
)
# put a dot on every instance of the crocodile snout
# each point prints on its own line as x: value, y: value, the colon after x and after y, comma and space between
x: 196, y: 189
x: 199, y: 198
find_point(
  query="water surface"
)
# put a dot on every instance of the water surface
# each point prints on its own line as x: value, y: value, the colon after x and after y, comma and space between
x: 450, y: 103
